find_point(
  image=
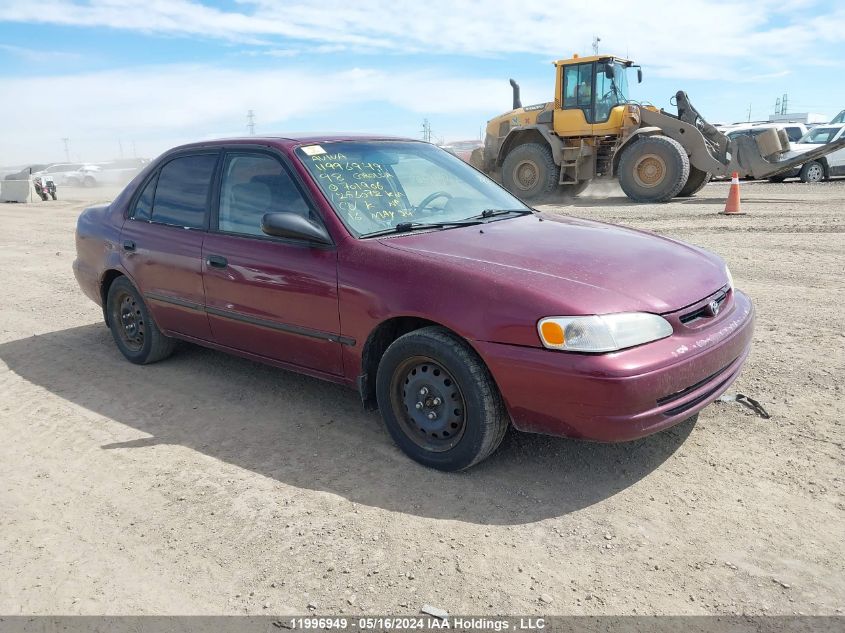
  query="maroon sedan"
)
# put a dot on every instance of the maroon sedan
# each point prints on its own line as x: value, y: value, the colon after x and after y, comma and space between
x: 392, y: 266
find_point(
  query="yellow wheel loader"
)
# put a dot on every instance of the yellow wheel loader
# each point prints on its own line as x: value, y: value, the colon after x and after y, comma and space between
x: 591, y: 130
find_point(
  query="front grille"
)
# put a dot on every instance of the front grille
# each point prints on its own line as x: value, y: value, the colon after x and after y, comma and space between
x: 703, y: 311
x: 680, y: 394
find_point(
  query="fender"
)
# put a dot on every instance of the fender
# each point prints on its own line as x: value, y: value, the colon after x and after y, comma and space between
x: 554, y: 142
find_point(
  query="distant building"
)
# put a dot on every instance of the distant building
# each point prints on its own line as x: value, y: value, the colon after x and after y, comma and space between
x: 808, y: 118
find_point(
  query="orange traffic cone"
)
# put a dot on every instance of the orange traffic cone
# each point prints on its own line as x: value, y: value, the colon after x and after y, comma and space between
x: 732, y: 206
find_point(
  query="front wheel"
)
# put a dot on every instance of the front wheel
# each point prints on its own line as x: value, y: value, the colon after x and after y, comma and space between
x: 134, y: 331
x: 439, y: 401
x: 653, y: 169
x: 812, y: 172
x: 53, y: 195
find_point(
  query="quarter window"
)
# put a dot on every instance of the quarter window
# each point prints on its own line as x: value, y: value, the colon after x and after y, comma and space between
x: 181, y: 196
x: 144, y: 204
x: 255, y: 184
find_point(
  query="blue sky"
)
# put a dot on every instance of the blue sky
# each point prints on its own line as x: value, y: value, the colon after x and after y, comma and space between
x: 138, y: 77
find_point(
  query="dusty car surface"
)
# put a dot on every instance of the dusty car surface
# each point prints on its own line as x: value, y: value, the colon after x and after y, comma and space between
x: 391, y: 266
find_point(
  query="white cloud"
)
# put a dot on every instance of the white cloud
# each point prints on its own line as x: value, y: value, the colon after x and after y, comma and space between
x: 698, y: 37
x: 159, y: 106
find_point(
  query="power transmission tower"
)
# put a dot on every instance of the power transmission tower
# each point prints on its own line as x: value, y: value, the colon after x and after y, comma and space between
x: 777, y: 105
x: 596, y: 40
x: 749, y: 113
x: 783, y: 104
x: 250, y: 118
x: 66, y: 140
x: 426, y: 131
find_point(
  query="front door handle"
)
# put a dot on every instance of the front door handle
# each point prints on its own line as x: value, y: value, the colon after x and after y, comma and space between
x: 128, y: 245
x: 217, y: 261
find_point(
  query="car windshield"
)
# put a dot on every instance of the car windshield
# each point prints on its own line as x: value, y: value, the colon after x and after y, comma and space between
x: 819, y: 135
x: 375, y: 186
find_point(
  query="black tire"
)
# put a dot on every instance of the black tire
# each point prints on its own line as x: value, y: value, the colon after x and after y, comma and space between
x: 89, y: 181
x: 570, y: 191
x: 529, y: 171
x: 653, y: 169
x: 43, y: 196
x: 777, y: 179
x: 471, y: 419
x: 134, y: 331
x: 812, y: 172
x: 695, y: 183
x: 53, y: 195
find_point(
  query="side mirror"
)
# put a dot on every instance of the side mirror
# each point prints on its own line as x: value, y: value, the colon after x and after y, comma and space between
x: 608, y: 71
x: 639, y: 75
x: 293, y: 226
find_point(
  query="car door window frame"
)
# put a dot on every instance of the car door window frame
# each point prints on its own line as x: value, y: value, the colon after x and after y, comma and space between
x: 254, y: 150
x: 210, y: 199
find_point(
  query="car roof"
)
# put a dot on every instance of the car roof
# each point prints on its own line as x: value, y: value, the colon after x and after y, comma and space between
x: 293, y: 140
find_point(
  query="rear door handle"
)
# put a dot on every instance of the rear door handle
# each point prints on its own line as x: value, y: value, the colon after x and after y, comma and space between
x: 128, y: 245
x: 217, y: 261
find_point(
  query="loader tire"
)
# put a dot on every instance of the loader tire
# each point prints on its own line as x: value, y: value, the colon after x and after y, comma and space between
x: 695, y: 183
x: 529, y: 171
x: 653, y: 169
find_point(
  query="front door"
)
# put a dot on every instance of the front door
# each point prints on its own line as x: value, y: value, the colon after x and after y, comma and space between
x: 264, y: 295
x: 162, y: 240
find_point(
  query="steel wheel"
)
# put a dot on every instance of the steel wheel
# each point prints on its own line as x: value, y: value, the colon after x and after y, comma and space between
x: 428, y: 403
x: 812, y: 172
x: 649, y: 170
x: 130, y: 319
x: 526, y: 175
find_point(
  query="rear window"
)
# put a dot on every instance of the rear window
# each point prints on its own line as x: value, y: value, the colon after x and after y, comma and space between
x: 181, y: 196
x: 794, y: 133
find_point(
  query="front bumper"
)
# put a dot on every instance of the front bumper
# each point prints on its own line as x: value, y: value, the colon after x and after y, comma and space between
x: 628, y: 394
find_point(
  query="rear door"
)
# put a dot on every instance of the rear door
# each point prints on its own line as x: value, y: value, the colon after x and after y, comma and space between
x: 162, y: 242
x: 268, y: 296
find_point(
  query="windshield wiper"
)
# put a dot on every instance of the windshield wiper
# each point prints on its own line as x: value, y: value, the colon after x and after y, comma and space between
x: 405, y: 227
x: 490, y: 213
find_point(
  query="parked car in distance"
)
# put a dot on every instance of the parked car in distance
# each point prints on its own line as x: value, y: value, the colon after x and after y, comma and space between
x: 822, y: 168
x: 115, y: 172
x: 839, y: 118
x: 391, y: 266
x: 65, y: 174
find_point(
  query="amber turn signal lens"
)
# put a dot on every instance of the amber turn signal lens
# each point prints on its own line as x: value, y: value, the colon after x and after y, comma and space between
x: 552, y: 333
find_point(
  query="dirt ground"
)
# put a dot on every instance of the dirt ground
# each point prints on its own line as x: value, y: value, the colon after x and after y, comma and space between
x: 208, y: 484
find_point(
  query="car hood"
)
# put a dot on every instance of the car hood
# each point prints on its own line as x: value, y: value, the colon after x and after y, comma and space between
x: 591, y: 266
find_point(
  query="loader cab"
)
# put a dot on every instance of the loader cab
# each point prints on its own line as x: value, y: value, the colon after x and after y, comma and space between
x: 589, y: 91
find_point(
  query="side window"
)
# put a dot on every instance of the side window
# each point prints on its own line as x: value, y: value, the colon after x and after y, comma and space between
x: 570, y: 83
x: 252, y: 185
x: 144, y: 204
x: 181, y: 196
x: 794, y: 133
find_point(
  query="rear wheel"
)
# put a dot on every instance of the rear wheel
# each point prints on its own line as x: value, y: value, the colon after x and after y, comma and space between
x: 439, y: 401
x: 653, y: 169
x: 695, y: 183
x: 53, y: 195
x: 812, y: 172
x: 529, y: 171
x: 134, y: 331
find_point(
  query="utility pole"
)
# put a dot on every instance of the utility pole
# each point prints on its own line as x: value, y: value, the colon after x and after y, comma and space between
x: 426, y: 131
x: 749, y: 113
x: 250, y: 118
x: 66, y: 140
x: 596, y: 40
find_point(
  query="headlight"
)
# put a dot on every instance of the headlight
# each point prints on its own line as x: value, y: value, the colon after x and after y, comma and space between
x: 730, y: 277
x: 602, y: 333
